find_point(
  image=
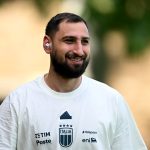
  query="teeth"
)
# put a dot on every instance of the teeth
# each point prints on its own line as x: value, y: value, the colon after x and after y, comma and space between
x: 76, y: 59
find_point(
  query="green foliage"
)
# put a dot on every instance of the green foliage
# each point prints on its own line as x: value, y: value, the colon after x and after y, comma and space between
x: 2, y: 1
x: 131, y: 17
x: 41, y: 5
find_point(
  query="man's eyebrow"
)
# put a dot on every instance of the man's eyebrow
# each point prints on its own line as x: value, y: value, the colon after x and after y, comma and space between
x: 68, y: 37
x: 73, y: 37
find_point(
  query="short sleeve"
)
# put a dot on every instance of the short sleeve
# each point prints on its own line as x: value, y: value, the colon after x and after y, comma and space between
x: 127, y: 135
x: 8, y: 125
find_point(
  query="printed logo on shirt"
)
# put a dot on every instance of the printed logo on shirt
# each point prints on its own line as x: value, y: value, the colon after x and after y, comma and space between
x: 65, y: 131
x: 65, y: 115
x: 65, y: 135
x: 43, y: 138
x: 89, y: 140
x: 89, y: 132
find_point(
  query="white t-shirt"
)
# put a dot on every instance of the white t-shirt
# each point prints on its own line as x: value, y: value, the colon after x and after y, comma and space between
x: 92, y: 117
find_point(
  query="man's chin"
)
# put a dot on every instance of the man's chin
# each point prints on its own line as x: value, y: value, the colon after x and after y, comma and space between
x: 72, y: 72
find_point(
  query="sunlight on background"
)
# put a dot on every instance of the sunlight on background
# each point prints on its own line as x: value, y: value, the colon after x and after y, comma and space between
x: 22, y: 57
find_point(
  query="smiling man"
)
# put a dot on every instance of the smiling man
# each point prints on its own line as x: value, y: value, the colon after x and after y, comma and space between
x: 69, y: 50
x: 64, y: 109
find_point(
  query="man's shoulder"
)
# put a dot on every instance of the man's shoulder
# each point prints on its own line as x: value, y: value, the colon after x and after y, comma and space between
x: 100, y: 87
x: 19, y: 96
x: 26, y: 87
x: 30, y: 84
x: 102, y: 90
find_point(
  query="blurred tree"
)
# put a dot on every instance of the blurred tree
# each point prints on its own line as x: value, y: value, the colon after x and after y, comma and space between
x: 131, y: 17
x: 2, y: 1
x: 41, y: 5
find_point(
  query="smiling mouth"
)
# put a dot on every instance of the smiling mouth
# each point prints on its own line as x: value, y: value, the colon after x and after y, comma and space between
x: 75, y: 58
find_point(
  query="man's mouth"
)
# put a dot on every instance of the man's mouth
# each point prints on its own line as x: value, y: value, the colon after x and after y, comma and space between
x: 75, y: 57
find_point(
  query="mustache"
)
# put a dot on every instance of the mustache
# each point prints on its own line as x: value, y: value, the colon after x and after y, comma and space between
x: 72, y: 55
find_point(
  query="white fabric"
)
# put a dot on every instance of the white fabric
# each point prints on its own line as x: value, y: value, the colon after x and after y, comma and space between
x: 92, y: 117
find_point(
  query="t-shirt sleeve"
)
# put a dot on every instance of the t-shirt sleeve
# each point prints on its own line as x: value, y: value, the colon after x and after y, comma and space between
x: 8, y: 125
x: 127, y: 135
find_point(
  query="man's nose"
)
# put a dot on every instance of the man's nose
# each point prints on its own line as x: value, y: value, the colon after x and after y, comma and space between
x: 78, y: 49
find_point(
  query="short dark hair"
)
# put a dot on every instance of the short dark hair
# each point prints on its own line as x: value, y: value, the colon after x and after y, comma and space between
x: 53, y: 25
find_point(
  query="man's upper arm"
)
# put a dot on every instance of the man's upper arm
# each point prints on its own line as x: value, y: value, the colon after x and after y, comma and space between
x: 8, y: 125
x: 127, y: 135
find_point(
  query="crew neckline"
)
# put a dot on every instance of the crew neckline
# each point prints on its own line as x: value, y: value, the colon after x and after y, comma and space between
x: 65, y: 95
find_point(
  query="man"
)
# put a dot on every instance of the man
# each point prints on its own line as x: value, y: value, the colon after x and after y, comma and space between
x: 64, y: 109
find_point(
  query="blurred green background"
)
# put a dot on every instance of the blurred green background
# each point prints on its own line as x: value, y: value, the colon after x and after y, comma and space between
x: 120, y: 46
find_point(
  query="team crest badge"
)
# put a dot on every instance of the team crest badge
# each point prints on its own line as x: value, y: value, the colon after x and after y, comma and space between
x: 65, y: 135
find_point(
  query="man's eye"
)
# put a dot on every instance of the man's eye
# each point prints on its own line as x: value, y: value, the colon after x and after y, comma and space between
x: 69, y: 41
x: 85, y: 42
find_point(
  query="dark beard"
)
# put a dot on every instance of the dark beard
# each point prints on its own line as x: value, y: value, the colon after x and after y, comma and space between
x: 66, y: 71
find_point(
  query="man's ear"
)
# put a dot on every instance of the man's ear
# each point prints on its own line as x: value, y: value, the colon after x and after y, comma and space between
x: 47, y: 44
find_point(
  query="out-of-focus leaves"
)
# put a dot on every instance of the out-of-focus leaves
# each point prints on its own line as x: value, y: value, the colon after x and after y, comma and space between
x: 131, y: 17
x: 3, y: 1
x: 41, y: 5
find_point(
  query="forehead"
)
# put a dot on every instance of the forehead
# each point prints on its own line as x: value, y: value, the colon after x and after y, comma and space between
x: 78, y: 29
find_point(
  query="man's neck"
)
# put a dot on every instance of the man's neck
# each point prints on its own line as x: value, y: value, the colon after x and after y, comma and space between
x: 60, y: 84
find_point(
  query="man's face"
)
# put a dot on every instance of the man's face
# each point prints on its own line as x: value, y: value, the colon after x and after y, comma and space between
x: 70, y: 50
